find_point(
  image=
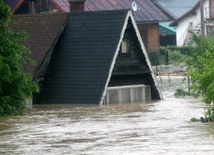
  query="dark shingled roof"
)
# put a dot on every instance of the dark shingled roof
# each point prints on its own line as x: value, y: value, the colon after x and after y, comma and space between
x: 43, y: 31
x: 80, y: 66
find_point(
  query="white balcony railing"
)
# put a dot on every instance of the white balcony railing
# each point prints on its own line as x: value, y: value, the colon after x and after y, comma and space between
x: 128, y: 94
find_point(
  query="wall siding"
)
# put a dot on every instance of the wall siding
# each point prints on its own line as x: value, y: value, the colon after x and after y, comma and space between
x: 150, y: 36
x: 134, y: 58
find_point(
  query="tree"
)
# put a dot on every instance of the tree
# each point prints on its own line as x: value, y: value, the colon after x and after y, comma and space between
x: 15, y: 85
x: 200, y: 69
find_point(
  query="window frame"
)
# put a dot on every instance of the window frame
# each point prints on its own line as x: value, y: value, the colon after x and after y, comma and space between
x: 128, y: 48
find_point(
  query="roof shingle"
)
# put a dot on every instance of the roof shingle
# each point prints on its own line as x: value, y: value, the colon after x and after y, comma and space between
x: 42, y: 31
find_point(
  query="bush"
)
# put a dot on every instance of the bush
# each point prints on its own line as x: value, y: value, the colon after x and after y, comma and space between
x: 200, y: 69
x: 15, y: 85
x: 181, y: 92
x: 176, y: 57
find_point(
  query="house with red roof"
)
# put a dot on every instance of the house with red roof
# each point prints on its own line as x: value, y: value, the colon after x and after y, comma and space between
x: 43, y: 31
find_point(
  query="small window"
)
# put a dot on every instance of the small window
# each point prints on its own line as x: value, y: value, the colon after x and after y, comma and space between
x: 125, y: 46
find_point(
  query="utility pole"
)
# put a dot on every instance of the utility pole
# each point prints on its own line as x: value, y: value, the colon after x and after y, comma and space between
x: 202, y: 17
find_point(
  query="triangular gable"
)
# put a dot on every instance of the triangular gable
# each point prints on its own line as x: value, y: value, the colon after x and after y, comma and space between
x: 129, y: 16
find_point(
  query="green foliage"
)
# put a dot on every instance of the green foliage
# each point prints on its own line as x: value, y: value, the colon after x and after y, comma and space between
x: 176, y: 57
x: 154, y: 58
x: 181, y: 92
x: 200, y: 69
x: 209, y: 113
x: 194, y: 119
x: 181, y: 49
x: 15, y: 85
x: 176, y: 54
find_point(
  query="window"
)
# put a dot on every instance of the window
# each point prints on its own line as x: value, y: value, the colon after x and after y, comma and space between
x: 125, y: 46
x: 210, y: 30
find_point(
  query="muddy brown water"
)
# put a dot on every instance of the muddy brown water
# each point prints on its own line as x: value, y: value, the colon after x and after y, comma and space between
x: 159, y: 127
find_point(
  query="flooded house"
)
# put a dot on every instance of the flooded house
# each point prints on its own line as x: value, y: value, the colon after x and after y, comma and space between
x: 99, y: 58
x: 88, y: 57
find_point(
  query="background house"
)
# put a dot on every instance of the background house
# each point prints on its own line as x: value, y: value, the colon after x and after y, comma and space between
x: 147, y: 15
x: 43, y: 31
x: 174, y: 9
x: 167, y: 34
x: 192, y: 20
x: 99, y: 58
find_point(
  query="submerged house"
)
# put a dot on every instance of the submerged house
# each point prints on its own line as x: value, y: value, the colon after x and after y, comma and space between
x: 99, y: 58
x: 92, y: 57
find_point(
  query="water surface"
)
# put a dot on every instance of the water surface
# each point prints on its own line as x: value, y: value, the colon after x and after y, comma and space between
x: 159, y: 127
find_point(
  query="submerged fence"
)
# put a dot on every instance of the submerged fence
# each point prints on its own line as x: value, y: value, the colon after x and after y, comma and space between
x: 158, y: 57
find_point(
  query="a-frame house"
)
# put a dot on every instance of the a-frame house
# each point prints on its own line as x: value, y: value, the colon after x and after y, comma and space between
x: 99, y: 58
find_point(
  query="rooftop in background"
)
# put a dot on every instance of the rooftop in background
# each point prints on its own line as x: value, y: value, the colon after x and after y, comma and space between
x: 176, y: 8
x: 42, y: 31
x: 146, y: 10
x: 164, y: 27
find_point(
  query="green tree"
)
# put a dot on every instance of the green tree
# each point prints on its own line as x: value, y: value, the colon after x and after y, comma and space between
x: 200, y: 69
x: 15, y: 85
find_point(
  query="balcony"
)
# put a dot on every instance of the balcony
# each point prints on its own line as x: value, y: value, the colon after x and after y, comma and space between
x: 209, y: 13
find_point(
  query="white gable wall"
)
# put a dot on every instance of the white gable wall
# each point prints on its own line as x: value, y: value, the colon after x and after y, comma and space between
x: 182, y: 28
x: 183, y: 25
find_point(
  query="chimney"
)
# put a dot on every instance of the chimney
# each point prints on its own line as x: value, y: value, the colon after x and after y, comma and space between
x: 77, y: 5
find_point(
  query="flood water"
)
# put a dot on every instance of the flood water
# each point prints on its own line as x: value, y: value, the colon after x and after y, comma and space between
x: 161, y: 127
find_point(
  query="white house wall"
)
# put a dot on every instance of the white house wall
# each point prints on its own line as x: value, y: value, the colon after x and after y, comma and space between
x: 182, y: 30
x: 183, y: 25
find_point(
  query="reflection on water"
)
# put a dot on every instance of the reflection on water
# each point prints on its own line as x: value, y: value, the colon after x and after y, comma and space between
x: 161, y: 127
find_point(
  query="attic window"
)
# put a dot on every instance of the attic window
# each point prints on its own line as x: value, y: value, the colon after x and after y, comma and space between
x: 125, y: 46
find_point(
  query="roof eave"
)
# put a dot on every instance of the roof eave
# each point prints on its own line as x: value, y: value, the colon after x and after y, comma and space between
x: 146, y: 56
x: 175, y: 22
x: 151, y: 22
x: 17, y: 6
